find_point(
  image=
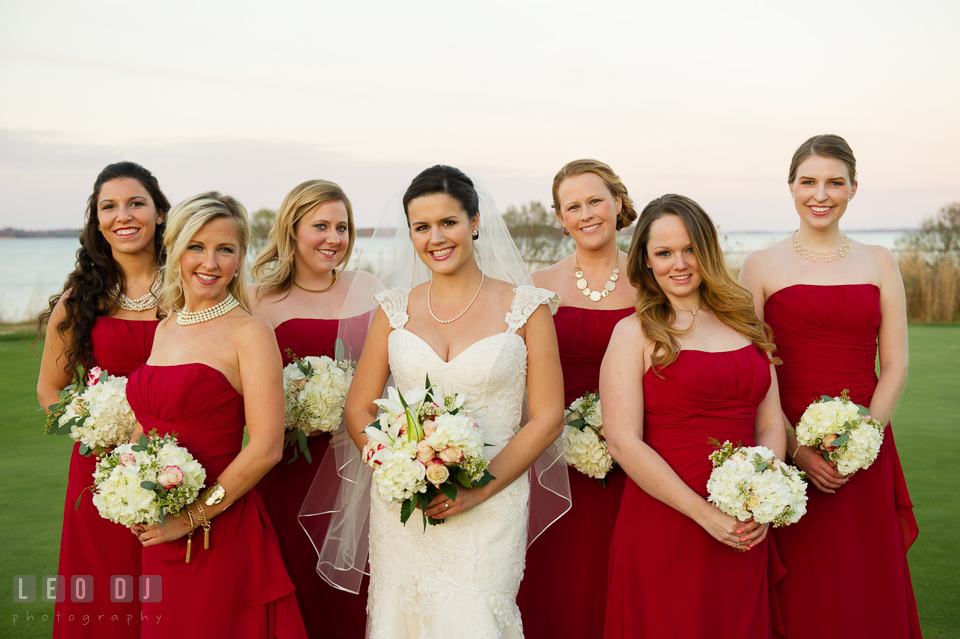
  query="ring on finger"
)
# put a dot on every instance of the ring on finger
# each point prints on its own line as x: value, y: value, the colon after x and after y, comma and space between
x: 446, y: 504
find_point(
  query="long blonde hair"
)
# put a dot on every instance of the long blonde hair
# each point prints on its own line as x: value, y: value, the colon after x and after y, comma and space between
x: 730, y: 302
x: 627, y: 213
x: 275, y: 267
x: 183, y: 222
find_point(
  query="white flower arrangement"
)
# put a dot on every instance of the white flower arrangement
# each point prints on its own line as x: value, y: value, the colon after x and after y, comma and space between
x: 585, y: 447
x: 750, y: 482
x: 423, y: 443
x: 138, y: 483
x: 98, y: 415
x: 840, y: 429
x: 315, y: 390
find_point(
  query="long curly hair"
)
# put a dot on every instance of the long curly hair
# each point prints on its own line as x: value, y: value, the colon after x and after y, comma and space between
x: 92, y: 284
x: 731, y: 303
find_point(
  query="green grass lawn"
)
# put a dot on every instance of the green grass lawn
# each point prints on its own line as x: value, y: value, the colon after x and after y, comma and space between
x: 33, y: 473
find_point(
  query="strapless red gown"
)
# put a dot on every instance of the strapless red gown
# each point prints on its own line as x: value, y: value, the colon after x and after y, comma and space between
x: 327, y: 611
x: 668, y: 576
x: 89, y: 544
x: 568, y: 562
x: 827, y: 339
x: 238, y: 588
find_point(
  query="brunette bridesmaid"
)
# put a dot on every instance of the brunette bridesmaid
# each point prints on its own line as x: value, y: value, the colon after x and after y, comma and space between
x: 592, y: 204
x: 302, y: 284
x: 832, y: 303
x: 692, y: 364
x: 106, y: 316
x: 214, y: 372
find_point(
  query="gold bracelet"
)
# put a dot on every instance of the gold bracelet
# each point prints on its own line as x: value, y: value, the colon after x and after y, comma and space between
x: 206, y: 526
x: 189, y: 534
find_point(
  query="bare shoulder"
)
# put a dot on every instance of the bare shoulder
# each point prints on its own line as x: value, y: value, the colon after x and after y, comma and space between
x: 359, y: 277
x: 250, y: 329
x: 549, y: 276
x: 629, y: 329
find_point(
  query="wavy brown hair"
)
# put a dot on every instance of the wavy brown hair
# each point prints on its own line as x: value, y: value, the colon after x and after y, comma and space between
x: 92, y: 284
x: 827, y: 145
x: 627, y: 213
x: 730, y: 302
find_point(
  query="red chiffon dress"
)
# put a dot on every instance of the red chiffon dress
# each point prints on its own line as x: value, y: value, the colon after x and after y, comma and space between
x: 564, y: 587
x: 89, y: 544
x: 668, y: 576
x: 327, y: 611
x: 852, y: 544
x: 238, y: 588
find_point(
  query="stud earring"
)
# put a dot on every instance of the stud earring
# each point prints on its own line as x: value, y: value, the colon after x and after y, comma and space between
x: 476, y: 234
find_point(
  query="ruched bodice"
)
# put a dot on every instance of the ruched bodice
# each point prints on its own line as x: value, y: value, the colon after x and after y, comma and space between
x: 120, y: 346
x: 583, y: 335
x: 811, y: 323
x: 306, y: 336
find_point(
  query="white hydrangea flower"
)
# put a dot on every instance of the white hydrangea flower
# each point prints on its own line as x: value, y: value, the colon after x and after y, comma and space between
x: 314, y: 403
x: 585, y: 451
x: 104, y: 416
x: 835, y: 418
x: 400, y: 476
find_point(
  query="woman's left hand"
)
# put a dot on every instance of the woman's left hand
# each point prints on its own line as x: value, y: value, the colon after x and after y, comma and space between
x: 442, y: 507
x: 172, y: 528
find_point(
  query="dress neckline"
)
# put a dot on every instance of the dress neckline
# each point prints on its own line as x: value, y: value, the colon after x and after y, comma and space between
x: 770, y: 297
x: 445, y: 361
x: 596, y: 310
x: 202, y: 366
x: 694, y: 350
x: 132, y: 321
x: 305, y: 319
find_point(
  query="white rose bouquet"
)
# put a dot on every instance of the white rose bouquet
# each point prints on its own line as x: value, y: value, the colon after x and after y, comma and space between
x: 424, y: 443
x: 138, y: 483
x: 750, y: 482
x: 97, y: 415
x: 314, y: 390
x: 840, y: 430
x: 585, y: 447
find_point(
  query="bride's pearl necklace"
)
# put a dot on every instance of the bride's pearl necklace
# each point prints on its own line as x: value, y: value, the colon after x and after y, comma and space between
x: 144, y: 302
x: 449, y: 321
x: 186, y: 318
x: 595, y: 296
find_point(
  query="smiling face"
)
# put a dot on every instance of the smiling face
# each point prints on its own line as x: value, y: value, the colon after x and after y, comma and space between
x: 442, y: 232
x: 670, y: 256
x: 127, y: 216
x: 822, y: 191
x: 322, y: 237
x: 209, y: 263
x: 588, y: 210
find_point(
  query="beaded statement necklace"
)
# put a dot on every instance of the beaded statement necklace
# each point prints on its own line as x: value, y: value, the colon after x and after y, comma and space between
x: 826, y: 256
x: 450, y: 321
x: 187, y: 318
x: 608, y: 287
x: 144, y: 302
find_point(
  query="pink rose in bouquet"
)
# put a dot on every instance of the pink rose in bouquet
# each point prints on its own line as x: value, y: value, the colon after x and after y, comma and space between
x: 93, y: 376
x: 451, y: 455
x: 437, y: 473
x: 425, y: 452
x: 170, y: 477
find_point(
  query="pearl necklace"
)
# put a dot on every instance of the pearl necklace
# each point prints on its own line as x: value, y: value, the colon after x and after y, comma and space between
x: 608, y: 287
x: 186, y: 318
x: 827, y: 256
x: 450, y: 321
x: 144, y: 302
x: 319, y: 290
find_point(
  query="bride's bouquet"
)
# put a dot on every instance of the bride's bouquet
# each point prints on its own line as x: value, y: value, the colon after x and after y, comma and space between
x: 585, y: 447
x: 314, y: 390
x: 138, y: 483
x: 840, y: 429
x: 424, y: 443
x: 97, y: 415
x: 750, y: 482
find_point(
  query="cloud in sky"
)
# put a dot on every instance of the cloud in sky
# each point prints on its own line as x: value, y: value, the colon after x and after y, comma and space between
x: 706, y: 99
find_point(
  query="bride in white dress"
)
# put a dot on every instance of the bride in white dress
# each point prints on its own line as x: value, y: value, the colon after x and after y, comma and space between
x: 493, y: 341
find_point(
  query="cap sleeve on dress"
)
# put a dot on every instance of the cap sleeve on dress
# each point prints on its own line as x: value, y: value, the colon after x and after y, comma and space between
x: 394, y: 305
x: 525, y: 302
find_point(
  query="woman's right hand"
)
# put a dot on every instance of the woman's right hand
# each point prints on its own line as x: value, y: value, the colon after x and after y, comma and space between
x: 730, y: 531
x: 821, y: 473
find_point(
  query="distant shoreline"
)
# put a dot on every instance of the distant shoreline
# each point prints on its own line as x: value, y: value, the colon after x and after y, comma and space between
x: 12, y: 233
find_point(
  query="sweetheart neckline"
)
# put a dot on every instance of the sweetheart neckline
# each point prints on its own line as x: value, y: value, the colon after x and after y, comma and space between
x: 201, y: 364
x: 432, y: 350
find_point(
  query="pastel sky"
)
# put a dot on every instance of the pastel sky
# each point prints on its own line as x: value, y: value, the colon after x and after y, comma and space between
x: 708, y: 99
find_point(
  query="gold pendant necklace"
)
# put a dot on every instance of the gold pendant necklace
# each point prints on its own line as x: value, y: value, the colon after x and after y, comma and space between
x: 608, y: 287
x: 318, y: 290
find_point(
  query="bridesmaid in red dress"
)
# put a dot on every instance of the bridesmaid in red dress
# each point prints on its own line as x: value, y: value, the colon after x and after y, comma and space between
x: 831, y: 302
x: 693, y: 363
x: 213, y: 369
x: 106, y: 316
x: 300, y: 291
x: 592, y: 205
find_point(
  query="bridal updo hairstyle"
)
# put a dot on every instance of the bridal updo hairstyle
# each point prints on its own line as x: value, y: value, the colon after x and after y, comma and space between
x: 275, y: 268
x: 448, y: 181
x: 731, y: 303
x: 185, y: 220
x: 616, y: 187
x: 824, y: 146
x: 96, y: 276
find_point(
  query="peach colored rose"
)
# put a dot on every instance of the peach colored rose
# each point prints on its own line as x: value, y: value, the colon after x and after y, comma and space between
x: 451, y: 455
x: 301, y: 383
x: 429, y: 427
x: 425, y: 452
x: 437, y: 473
x: 827, y: 440
x: 170, y: 477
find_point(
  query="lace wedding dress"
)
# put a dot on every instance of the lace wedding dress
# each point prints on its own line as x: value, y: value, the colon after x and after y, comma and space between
x: 458, y: 580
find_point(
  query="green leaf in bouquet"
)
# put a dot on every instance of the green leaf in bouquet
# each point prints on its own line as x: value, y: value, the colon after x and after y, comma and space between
x: 406, y: 509
x: 826, y: 398
x: 162, y: 521
x: 464, y: 478
x: 424, y: 499
x: 304, y: 448
x: 148, y: 485
x: 141, y: 444
x: 761, y: 466
x: 843, y: 439
x: 77, y: 505
x: 826, y: 455
x: 449, y: 490
x: 862, y: 409
x: 295, y: 455
x: 784, y: 471
x: 338, y: 351
x: 429, y: 387
x: 602, y: 481
x: 484, y: 479
x: 579, y: 423
x: 84, y: 450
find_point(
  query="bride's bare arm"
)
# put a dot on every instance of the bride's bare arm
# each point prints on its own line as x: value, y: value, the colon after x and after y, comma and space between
x: 373, y: 371
x: 545, y: 393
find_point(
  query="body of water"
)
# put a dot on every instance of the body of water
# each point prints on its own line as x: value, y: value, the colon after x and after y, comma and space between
x: 33, y: 269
